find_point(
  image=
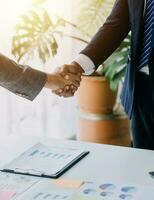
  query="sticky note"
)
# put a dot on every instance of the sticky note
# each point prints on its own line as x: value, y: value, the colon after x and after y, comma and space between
x: 6, y: 195
x: 67, y: 183
x: 82, y: 197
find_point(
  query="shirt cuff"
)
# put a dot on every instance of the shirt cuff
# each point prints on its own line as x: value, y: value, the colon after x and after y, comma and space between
x: 86, y: 63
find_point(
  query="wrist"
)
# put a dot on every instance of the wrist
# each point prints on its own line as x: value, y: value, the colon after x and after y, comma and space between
x: 49, y: 81
x: 78, y: 66
x: 86, y: 63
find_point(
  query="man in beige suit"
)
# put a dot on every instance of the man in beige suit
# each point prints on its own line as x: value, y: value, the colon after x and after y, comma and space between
x: 27, y: 82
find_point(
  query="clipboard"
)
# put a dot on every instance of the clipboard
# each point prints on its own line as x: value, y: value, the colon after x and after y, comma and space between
x: 45, y: 161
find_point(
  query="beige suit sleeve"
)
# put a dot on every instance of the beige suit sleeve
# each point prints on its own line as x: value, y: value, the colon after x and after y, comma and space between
x: 21, y: 79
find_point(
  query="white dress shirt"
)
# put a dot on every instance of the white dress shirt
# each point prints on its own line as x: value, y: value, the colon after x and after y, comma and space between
x: 86, y: 63
x: 89, y: 67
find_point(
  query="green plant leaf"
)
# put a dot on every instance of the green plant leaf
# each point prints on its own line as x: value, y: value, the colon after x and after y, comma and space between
x: 36, y: 33
x: 116, y: 63
x: 116, y: 79
x: 93, y: 14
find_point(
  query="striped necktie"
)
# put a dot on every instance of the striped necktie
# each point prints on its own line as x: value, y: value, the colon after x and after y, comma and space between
x: 147, y: 35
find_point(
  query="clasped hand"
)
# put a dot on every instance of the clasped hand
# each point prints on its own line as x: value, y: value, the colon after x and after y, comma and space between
x: 65, y: 80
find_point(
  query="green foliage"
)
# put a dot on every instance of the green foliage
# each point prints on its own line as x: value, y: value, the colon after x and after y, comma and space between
x: 93, y: 14
x: 115, y: 65
x: 36, y: 33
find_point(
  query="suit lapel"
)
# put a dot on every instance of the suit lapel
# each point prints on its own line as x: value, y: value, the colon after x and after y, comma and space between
x: 137, y: 8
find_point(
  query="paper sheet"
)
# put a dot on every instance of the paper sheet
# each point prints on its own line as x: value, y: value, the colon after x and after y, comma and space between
x: 48, y: 191
x: 81, y: 197
x: 12, y: 185
x: 112, y: 191
x: 6, y: 195
x: 66, y: 183
x: 89, y: 191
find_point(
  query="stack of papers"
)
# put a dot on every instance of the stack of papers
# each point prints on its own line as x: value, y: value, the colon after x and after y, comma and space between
x: 87, y: 191
x: 12, y: 185
x: 19, y: 187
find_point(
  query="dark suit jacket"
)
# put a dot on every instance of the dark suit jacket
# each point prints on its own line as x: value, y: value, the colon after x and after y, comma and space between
x: 20, y: 79
x: 126, y: 15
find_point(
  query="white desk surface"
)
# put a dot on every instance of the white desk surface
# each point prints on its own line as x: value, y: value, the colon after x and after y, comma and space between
x: 104, y: 163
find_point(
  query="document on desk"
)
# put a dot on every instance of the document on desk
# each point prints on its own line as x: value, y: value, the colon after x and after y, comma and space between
x: 48, y: 191
x: 45, y: 161
x: 13, y: 185
x: 112, y: 191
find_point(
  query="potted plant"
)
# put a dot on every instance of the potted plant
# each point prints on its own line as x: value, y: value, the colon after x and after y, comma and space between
x: 109, y: 75
x: 37, y: 34
x: 98, y: 121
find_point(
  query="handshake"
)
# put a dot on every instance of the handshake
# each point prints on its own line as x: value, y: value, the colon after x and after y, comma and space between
x: 65, y: 80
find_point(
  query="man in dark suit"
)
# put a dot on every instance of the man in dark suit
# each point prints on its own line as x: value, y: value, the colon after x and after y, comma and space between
x: 27, y: 82
x: 138, y: 89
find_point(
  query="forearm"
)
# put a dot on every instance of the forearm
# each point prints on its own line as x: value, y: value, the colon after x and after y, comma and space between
x: 20, y: 79
x: 110, y: 35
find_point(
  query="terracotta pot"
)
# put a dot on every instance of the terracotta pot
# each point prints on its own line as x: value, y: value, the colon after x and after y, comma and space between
x: 95, y: 96
x: 105, y: 129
